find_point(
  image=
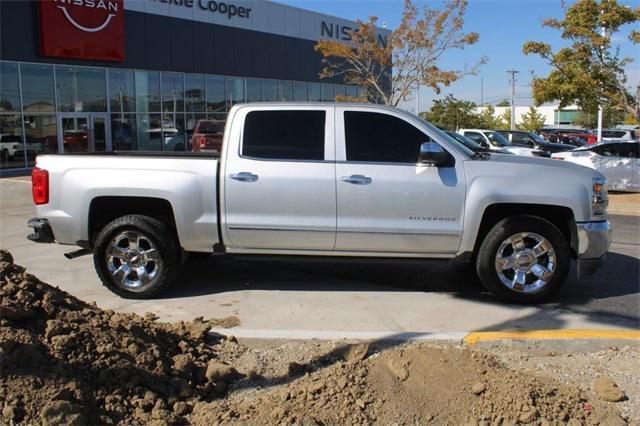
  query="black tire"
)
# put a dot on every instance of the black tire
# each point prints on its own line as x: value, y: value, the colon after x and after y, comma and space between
x: 503, y: 230
x: 155, y: 233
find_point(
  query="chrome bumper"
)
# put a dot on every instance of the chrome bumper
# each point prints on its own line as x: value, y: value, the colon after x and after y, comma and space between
x: 594, y: 239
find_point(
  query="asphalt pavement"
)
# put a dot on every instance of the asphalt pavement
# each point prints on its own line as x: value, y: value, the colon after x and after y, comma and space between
x: 343, y: 298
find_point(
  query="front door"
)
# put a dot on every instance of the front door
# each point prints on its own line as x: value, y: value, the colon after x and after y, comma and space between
x: 279, y: 186
x: 84, y: 132
x: 386, y: 202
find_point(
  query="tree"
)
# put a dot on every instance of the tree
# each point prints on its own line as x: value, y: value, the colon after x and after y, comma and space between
x: 487, y: 118
x: 451, y: 114
x: 589, y: 72
x: 589, y: 120
x: 532, y: 120
x: 504, y: 121
x: 504, y: 103
x: 409, y: 57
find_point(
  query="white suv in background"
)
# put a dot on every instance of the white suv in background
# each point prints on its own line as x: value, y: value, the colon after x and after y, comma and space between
x: 619, y: 135
x: 494, y: 141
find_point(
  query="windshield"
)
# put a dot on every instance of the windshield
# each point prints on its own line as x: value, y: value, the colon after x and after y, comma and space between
x: 536, y: 137
x: 497, y: 139
x: 442, y: 134
x: 465, y: 141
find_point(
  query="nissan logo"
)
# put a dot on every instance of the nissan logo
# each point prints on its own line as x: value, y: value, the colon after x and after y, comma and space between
x: 109, y: 6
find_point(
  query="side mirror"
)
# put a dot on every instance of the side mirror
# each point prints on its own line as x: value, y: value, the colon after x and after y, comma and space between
x: 433, y: 155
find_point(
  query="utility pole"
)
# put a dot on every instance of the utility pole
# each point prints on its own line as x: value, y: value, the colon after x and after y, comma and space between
x: 481, y: 90
x: 513, y: 95
x: 603, y: 33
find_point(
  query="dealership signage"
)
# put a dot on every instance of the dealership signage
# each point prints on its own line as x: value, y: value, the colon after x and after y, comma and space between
x: 229, y: 10
x: 343, y: 32
x: 84, y: 29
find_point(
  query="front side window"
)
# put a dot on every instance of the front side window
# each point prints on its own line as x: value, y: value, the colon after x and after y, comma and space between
x: 497, y: 139
x: 284, y: 135
x: 377, y: 137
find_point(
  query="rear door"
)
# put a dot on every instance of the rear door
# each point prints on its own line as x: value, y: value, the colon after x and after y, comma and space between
x: 280, y: 189
x: 386, y: 201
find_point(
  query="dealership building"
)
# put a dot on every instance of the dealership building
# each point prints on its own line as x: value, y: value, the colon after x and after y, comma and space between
x: 103, y: 75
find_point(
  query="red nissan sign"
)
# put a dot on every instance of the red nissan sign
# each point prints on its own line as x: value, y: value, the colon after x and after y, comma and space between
x: 84, y: 29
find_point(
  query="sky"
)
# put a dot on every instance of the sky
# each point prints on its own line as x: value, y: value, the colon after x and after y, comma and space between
x: 504, y: 26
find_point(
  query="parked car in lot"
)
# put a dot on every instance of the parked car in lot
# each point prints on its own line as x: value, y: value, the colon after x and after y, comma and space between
x: 619, y: 135
x: 533, y: 140
x: 575, y: 137
x: 494, y: 141
x: 327, y: 180
x: 207, y: 136
x: 619, y: 162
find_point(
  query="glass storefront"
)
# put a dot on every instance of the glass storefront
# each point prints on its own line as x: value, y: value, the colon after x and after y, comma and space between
x: 48, y: 108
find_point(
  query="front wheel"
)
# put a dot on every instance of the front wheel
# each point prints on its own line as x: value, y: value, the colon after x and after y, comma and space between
x: 136, y: 257
x: 523, y: 259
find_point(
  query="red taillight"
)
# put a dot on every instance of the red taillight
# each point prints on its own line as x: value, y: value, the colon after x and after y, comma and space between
x: 202, y: 142
x: 40, y: 186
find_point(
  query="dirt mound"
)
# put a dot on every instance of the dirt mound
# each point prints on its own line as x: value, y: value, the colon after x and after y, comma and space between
x: 65, y: 361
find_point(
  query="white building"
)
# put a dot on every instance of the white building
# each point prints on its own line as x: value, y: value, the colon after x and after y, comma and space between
x: 553, y: 114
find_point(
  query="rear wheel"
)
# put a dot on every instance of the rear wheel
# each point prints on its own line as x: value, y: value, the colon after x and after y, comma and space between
x: 136, y: 256
x: 523, y: 259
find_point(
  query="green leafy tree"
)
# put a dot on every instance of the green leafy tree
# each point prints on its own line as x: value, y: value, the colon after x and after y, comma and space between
x: 504, y: 121
x: 589, y: 70
x: 532, y: 120
x: 487, y: 118
x: 504, y: 103
x: 589, y: 120
x: 411, y: 55
x: 451, y: 114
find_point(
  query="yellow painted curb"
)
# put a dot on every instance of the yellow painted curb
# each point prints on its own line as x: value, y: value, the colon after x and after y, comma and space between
x: 482, y: 336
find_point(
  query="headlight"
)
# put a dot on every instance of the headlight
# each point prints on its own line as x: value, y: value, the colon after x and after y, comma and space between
x: 600, y: 200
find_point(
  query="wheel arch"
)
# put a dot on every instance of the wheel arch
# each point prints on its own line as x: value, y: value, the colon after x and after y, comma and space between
x: 104, y: 209
x: 560, y: 216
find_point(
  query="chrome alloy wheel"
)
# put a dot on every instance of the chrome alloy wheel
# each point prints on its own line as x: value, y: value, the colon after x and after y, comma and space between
x: 133, y: 260
x: 525, y: 262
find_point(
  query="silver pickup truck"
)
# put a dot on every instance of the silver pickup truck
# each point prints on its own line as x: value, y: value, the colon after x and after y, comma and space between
x: 325, y: 180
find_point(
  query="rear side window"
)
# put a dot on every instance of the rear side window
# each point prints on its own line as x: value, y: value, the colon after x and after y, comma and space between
x: 284, y: 135
x: 613, y: 134
x: 376, y: 137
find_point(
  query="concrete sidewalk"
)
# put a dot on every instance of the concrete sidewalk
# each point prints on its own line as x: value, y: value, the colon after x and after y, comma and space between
x: 353, y: 299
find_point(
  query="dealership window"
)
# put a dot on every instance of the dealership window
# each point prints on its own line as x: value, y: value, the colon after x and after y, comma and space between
x: 37, y: 88
x: 147, y: 86
x: 340, y: 90
x: 300, y: 91
x: 352, y: 91
x: 149, y: 132
x: 254, y: 89
x: 11, y: 146
x: 327, y: 93
x: 190, y: 124
x: 81, y: 89
x: 172, y: 92
x: 121, y: 91
x: 9, y: 87
x: 285, y: 91
x: 123, y: 132
x: 42, y: 136
x: 215, y: 94
x: 194, y: 93
x: 315, y: 92
x: 235, y: 91
x: 362, y: 92
x: 269, y: 90
x: 173, y: 131
x: 284, y: 135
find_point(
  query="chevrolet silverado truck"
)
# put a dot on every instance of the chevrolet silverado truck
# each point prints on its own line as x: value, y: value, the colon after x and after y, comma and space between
x: 328, y: 180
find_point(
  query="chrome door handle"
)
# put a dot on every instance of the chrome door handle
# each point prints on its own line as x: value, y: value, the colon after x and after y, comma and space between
x: 357, y: 179
x: 244, y: 177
